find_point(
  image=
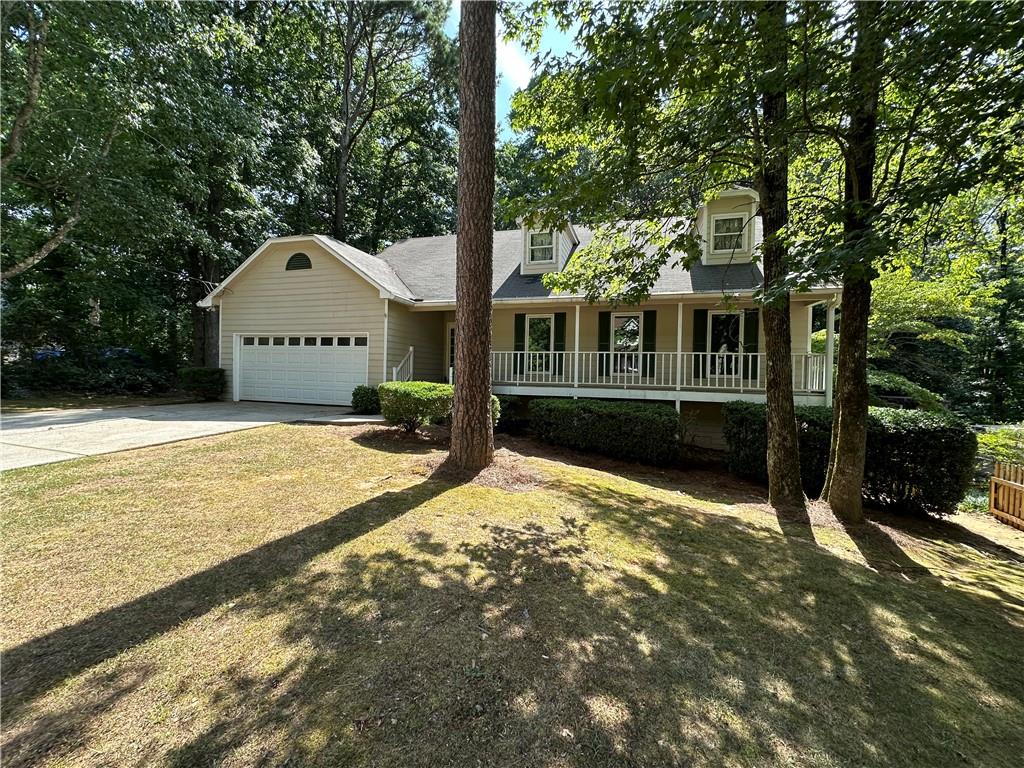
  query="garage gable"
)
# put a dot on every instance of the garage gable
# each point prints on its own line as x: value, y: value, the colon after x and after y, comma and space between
x: 373, y: 271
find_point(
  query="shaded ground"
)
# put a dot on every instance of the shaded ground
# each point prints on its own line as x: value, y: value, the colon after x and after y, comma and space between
x: 66, y: 400
x: 316, y: 595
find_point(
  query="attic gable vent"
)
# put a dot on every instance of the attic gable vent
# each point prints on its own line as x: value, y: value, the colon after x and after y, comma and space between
x: 298, y: 261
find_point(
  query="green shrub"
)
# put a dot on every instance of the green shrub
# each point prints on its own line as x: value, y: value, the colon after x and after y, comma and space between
x: 203, y: 383
x: 495, y: 411
x: 514, y: 415
x: 916, y: 461
x: 891, y: 389
x: 411, y: 404
x: 99, y: 377
x: 746, y: 435
x: 365, y: 400
x: 643, y: 432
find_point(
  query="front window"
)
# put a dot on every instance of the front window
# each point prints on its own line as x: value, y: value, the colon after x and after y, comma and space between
x: 625, y: 343
x: 725, y: 340
x: 542, y: 247
x: 539, y: 341
x: 727, y: 234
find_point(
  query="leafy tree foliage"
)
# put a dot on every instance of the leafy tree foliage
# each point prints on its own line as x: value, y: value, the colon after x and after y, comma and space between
x: 148, y: 148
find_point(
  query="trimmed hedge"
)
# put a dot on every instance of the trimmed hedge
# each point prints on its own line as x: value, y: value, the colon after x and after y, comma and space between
x: 365, y: 400
x: 648, y: 433
x: 916, y: 461
x: 514, y: 415
x: 411, y: 404
x: 203, y: 383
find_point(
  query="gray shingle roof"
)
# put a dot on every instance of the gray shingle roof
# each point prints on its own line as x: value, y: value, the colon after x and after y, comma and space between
x: 427, y: 266
x: 374, y: 267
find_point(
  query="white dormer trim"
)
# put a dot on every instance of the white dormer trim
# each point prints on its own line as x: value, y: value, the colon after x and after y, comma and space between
x: 730, y: 204
x: 563, y: 241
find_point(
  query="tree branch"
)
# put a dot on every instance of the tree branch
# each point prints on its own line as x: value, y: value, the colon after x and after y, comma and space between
x: 34, y: 82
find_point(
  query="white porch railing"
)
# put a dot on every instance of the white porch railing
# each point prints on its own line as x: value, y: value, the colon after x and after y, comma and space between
x: 740, y: 371
x: 403, y: 371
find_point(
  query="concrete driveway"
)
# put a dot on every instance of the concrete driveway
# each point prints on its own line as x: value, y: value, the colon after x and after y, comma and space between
x: 42, y: 437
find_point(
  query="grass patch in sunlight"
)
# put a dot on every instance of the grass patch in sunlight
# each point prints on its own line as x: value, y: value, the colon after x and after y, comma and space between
x: 316, y: 595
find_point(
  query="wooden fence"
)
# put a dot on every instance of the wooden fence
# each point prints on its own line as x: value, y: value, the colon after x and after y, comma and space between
x: 1006, y: 494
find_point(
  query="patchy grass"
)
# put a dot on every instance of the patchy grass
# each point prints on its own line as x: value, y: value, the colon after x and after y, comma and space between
x: 329, y: 596
x: 64, y: 401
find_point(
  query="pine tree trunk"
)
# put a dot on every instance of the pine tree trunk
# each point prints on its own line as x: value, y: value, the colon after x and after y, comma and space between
x: 784, y: 488
x: 472, y: 445
x: 843, y: 485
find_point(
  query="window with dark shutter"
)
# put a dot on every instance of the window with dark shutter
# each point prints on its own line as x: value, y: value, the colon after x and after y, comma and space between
x: 298, y: 261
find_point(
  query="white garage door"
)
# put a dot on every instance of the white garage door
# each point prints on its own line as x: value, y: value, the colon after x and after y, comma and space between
x: 301, y: 369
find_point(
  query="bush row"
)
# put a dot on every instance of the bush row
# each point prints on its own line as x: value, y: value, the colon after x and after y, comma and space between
x: 644, y: 432
x: 104, y: 377
x: 917, y: 461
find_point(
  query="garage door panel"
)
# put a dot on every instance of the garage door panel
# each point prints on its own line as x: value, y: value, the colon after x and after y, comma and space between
x: 322, y: 372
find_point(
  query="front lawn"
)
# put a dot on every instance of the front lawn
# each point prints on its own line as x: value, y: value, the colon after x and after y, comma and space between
x: 316, y: 595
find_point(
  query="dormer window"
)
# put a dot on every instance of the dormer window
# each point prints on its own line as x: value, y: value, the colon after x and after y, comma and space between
x: 541, y: 248
x: 726, y: 234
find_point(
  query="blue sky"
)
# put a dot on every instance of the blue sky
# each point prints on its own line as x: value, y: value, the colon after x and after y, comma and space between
x: 515, y: 64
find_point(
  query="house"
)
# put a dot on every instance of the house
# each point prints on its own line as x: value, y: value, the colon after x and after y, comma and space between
x: 308, y: 318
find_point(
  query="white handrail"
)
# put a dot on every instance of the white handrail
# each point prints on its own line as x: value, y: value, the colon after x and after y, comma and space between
x: 734, y: 371
x: 403, y: 371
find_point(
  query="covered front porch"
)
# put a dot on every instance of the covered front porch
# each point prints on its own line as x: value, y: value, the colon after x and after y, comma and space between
x: 701, y: 376
x: 698, y: 349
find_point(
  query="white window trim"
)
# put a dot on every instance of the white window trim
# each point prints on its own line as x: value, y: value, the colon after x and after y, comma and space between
x: 551, y: 334
x: 449, y: 356
x: 530, y: 247
x: 711, y: 314
x: 640, y: 338
x: 742, y: 233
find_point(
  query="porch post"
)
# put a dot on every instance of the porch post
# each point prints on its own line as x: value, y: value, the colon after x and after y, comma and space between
x: 679, y: 349
x: 830, y: 338
x: 576, y: 350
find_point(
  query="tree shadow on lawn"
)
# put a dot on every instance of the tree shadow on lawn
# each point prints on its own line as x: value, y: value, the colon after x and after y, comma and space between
x: 639, y: 634
x: 720, y: 646
x: 32, y: 668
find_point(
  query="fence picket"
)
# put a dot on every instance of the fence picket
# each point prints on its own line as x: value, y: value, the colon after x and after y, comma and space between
x: 1006, y: 494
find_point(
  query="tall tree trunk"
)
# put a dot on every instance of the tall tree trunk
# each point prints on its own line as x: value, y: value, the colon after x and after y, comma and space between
x: 472, y: 432
x: 205, y: 325
x: 784, y: 488
x: 344, y: 156
x: 845, y: 479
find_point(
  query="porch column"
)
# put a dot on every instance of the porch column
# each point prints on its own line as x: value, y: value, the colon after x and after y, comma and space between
x: 830, y: 338
x: 679, y: 349
x: 576, y: 350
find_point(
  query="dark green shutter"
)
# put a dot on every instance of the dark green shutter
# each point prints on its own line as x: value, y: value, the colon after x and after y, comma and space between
x: 750, y: 334
x: 559, y: 341
x: 700, y: 340
x: 519, y: 342
x: 647, y: 343
x: 604, y: 341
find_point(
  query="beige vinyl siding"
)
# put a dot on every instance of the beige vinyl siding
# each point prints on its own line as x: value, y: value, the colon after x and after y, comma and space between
x: 327, y: 299
x: 422, y: 330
